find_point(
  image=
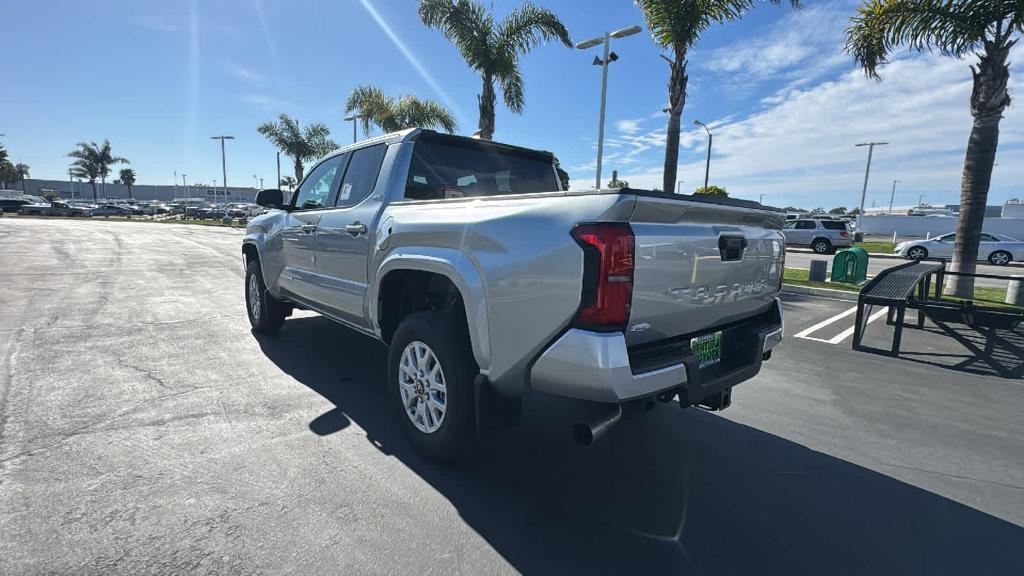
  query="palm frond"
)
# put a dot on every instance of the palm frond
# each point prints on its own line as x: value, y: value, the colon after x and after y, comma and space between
x: 678, y: 24
x: 528, y: 26
x: 466, y: 24
x: 412, y: 112
x: 373, y: 107
x: 513, y: 90
x: 952, y: 27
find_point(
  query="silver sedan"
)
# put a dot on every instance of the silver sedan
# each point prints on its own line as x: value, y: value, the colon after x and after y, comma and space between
x: 997, y: 249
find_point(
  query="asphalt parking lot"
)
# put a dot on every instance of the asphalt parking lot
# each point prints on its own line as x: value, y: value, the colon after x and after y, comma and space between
x: 144, y: 428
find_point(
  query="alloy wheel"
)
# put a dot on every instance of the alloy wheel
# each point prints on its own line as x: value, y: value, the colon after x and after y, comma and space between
x: 422, y: 386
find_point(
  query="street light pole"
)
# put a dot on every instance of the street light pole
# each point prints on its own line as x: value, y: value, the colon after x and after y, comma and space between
x: 920, y: 200
x: 278, y: 183
x: 761, y: 200
x: 184, y: 184
x: 223, y: 166
x: 892, y: 195
x: 867, y: 171
x: 603, y: 63
x: 707, y: 163
x: 351, y: 119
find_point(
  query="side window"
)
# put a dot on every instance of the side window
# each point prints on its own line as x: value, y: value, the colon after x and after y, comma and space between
x: 989, y: 238
x: 789, y: 225
x: 361, y: 176
x: 315, y: 190
x: 805, y: 225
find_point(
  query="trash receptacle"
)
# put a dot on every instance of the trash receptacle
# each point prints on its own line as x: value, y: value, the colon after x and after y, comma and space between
x: 858, y: 236
x: 818, y: 271
x: 1015, y: 291
x: 850, y: 266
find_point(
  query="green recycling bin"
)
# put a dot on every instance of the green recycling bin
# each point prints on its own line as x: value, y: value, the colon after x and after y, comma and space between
x: 850, y: 266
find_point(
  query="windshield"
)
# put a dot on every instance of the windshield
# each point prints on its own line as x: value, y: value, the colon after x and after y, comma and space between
x: 462, y: 168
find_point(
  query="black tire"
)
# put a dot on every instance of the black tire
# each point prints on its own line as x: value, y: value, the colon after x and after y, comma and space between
x: 444, y: 332
x: 1000, y: 258
x: 917, y: 253
x: 266, y: 314
x: 821, y: 246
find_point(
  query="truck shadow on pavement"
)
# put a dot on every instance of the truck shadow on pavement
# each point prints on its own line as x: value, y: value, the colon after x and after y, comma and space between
x: 669, y: 491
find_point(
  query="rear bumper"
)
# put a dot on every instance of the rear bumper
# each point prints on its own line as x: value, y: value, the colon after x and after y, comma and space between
x: 599, y: 366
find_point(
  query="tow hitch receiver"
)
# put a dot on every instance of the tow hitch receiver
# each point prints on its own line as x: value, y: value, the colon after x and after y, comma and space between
x: 719, y: 401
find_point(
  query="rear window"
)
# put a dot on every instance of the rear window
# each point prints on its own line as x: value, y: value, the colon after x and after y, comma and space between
x: 450, y: 168
x: 833, y: 225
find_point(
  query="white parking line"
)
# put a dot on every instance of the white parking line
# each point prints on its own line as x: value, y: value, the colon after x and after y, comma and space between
x: 842, y: 335
x: 826, y: 322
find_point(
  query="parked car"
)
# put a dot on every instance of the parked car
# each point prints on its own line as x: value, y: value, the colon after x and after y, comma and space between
x: 487, y: 281
x: 823, y: 236
x: 244, y: 209
x: 13, y: 204
x: 996, y: 249
x: 55, y: 208
x: 112, y: 210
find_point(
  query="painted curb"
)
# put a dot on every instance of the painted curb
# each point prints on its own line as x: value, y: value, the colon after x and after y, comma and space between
x: 820, y: 292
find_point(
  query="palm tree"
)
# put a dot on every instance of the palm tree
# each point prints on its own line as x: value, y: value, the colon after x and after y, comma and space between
x: 288, y: 182
x: 6, y: 168
x: 957, y: 28
x: 301, y: 145
x: 127, y: 177
x: 373, y: 107
x: 676, y: 25
x: 93, y: 161
x: 493, y: 49
x: 22, y: 171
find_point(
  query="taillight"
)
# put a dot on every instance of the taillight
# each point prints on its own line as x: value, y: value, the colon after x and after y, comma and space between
x: 844, y: 234
x: 782, y: 262
x: 607, y: 275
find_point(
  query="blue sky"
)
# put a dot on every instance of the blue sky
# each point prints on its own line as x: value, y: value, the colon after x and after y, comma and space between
x: 785, y: 103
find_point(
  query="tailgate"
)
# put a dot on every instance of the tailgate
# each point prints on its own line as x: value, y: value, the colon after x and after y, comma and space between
x: 700, y: 264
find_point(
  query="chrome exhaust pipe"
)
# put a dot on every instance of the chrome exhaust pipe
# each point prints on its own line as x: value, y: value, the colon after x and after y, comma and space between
x: 593, y: 428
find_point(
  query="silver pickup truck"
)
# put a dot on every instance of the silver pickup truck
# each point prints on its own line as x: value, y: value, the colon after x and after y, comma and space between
x: 487, y: 280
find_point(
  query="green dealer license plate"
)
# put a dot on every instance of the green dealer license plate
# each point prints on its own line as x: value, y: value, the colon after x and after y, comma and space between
x: 708, y: 349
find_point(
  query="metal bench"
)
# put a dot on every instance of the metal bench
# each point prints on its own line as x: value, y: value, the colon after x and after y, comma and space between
x: 894, y: 287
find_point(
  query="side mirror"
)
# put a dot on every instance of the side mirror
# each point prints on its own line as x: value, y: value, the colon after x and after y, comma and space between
x: 270, y: 198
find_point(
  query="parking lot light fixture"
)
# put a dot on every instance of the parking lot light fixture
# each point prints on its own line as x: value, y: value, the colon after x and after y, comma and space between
x: 707, y: 163
x: 351, y: 119
x: 867, y: 171
x: 603, y: 63
x: 223, y: 166
x: 892, y: 195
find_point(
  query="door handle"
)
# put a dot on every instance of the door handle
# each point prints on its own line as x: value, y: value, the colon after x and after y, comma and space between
x: 308, y: 228
x: 356, y: 228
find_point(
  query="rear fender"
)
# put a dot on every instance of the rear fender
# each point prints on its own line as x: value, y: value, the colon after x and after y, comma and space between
x: 461, y: 271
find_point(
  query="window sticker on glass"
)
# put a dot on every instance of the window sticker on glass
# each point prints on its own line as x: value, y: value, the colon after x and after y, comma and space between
x: 346, y: 191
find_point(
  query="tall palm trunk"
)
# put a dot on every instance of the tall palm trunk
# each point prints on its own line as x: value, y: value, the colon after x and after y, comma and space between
x: 93, y: 184
x: 298, y: 170
x: 988, y: 100
x: 676, y: 102
x: 486, y: 101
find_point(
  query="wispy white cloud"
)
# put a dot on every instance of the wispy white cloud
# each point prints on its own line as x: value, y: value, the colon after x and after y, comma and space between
x: 799, y: 148
x: 801, y: 47
x: 244, y: 73
x: 628, y: 126
x: 265, y: 102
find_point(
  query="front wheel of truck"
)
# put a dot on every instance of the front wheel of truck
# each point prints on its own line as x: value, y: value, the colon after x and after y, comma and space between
x: 430, y: 383
x: 266, y: 313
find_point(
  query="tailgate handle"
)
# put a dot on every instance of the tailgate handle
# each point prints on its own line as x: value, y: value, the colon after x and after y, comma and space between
x: 731, y: 247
